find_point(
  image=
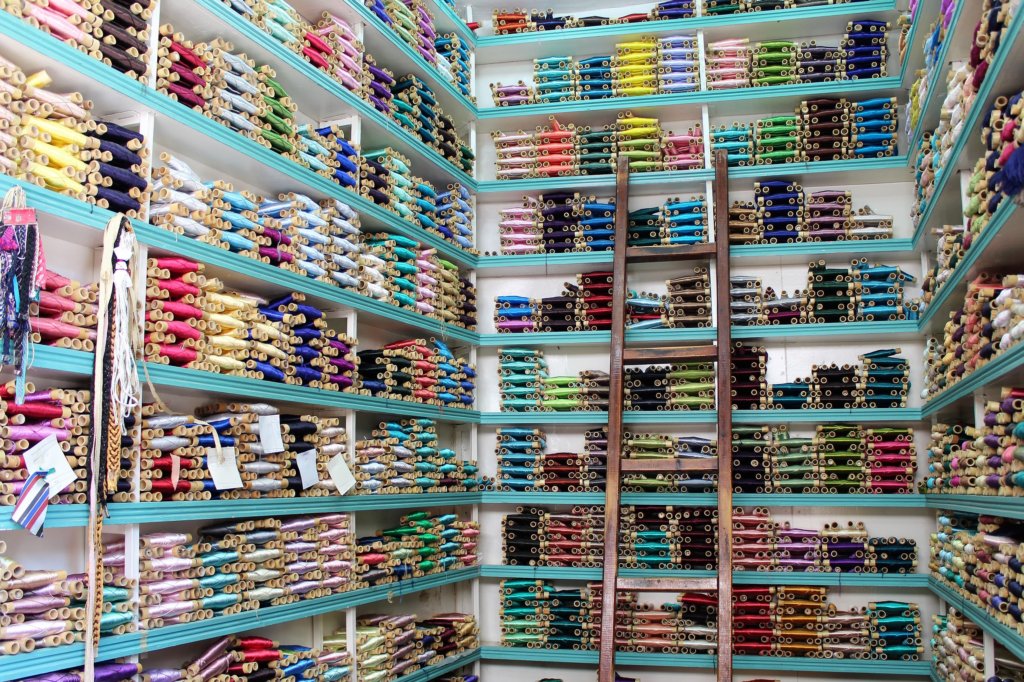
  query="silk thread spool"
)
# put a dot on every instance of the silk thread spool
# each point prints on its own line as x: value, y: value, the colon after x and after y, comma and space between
x: 420, y: 545
x: 418, y: 370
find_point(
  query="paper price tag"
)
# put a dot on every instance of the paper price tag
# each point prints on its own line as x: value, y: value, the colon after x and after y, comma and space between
x: 307, y: 468
x: 223, y: 469
x: 340, y: 474
x: 46, y: 455
x: 270, y: 433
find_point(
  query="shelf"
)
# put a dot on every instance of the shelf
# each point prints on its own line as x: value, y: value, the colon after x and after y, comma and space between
x: 782, y: 254
x: 186, y: 129
x: 859, y: 416
x: 1001, y: 78
x: 1002, y: 369
x: 388, y: 49
x: 596, y: 337
x: 159, y: 512
x: 447, y: 20
x: 919, y: 580
x: 592, y: 40
x: 316, y: 93
x: 57, y: 516
x: 1009, y: 638
x: 886, y: 329
x: 851, y: 501
x: 720, y: 103
x: 844, y: 171
x: 431, y: 672
x: 773, y: 663
x: 668, y: 181
x: 998, y: 505
x: 645, y: 417
x: 958, y: 33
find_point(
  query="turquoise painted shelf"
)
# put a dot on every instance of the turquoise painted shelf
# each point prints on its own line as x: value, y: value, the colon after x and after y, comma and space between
x: 597, y: 337
x: 432, y: 672
x: 882, y: 580
x: 157, y: 512
x: 1000, y: 81
x: 500, y: 45
x: 772, y: 663
x: 989, y: 375
x: 321, y: 83
x: 57, y: 516
x: 731, y: 102
x: 447, y: 19
x: 906, y: 501
x: 188, y: 122
x: 933, y: 98
x: 60, y: 360
x: 607, y: 181
x: 803, y: 331
x: 795, y: 252
x: 860, y: 416
x: 887, y: 169
x: 1006, y: 636
x: 998, y: 505
x: 681, y: 417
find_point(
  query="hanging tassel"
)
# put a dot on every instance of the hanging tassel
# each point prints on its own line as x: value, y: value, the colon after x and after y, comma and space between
x: 22, y: 269
x: 116, y: 394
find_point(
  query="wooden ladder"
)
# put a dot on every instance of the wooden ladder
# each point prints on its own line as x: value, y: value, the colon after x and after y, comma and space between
x: 621, y: 356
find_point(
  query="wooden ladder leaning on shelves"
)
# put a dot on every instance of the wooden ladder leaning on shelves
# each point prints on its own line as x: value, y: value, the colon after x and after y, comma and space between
x: 621, y: 356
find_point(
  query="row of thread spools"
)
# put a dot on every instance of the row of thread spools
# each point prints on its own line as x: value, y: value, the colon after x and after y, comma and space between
x: 819, y: 130
x: 229, y: 568
x: 980, y: 458
x: 833, y: 458
x: 880, y: 380
x: 118, y: 34
x: 670, y: 538
x: 410, y: 644
x: 781, y: 211
x: 958, y: 651
x: 512, y: 21
x: 672, y: 64
x: 784, y: 621
x: 860, y: 292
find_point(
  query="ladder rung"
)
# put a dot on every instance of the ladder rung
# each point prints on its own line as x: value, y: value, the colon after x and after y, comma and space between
x: 643, y: 356
x: 666, y: 584
x: 662, y: 254
x: 674, y: 464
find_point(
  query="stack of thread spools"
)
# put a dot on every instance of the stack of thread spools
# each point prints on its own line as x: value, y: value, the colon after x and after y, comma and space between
x: 881, y: 380
x: 392, y: 646
x: 677, y: 221
x: 988, y: 323
x: 114, y: 33
x: 958, y: 651
x: 65, y: 314
x: 764, y: 544
x: 47, y: 606
x: 558, y: 149
x: 248, y: 658
x: 404, y: 457
x: 52, y: 140
x: 782, y: 211
x: 658, y: 446
x: 979, y: 558
x: 557, y: 222
x: 418, y: 370
x: 451, y: 48
x: 194, y: 322
x: 231, y: 568
x: 63, y: 413
x: 332, y: 46
x: 416, y: 109
x: 504, y: 21
x: 524, y: 462
x: 836, y: 458
x: 980, y: 459
x: 183, y: 441
x: 526, y: 386
x: 648, y: 66
x: 421, y: 545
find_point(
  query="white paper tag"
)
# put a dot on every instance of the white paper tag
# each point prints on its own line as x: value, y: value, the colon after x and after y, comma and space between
x: 307, y: 468
x: 223, y: 469
x: 46, y: 455
x: 270, y: 433
x: 340, y: 474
